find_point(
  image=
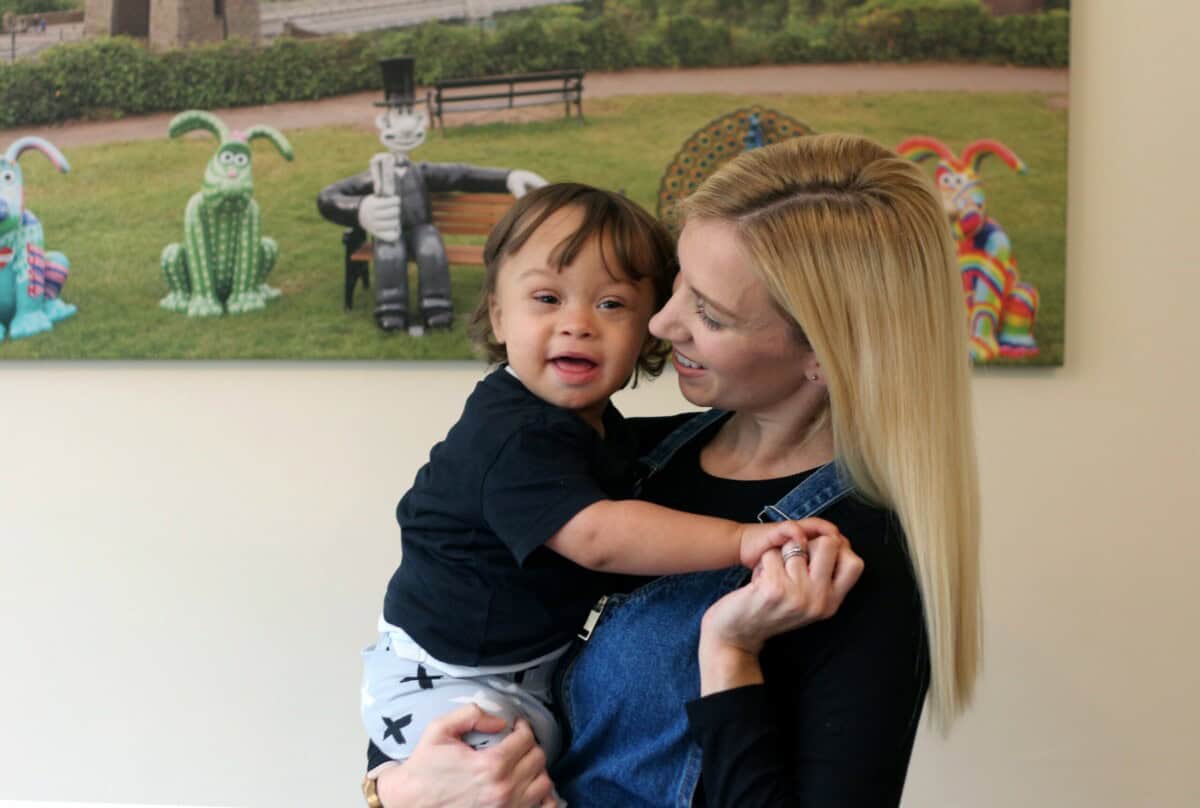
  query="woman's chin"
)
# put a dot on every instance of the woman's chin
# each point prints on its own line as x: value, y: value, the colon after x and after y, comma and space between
x: 695, y: 391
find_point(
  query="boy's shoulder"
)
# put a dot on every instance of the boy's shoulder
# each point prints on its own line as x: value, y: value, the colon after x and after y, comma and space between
x: 500, y: 406
x: 500, y: 399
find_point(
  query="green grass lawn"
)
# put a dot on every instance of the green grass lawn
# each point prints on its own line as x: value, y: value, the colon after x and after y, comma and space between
x: 123, y: 202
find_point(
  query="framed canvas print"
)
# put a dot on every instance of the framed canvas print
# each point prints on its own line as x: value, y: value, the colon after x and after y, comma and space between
x: 263, y: 184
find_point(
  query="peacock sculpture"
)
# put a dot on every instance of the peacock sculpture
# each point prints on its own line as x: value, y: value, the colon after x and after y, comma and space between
x: 710, y: 146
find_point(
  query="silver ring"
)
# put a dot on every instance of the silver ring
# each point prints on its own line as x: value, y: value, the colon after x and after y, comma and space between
x: 793, y: 551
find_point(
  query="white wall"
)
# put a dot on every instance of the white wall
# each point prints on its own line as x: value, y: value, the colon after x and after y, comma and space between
x: 192, y: 554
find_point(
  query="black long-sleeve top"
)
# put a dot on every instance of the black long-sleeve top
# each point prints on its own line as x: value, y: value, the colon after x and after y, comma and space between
x: 835, y: 721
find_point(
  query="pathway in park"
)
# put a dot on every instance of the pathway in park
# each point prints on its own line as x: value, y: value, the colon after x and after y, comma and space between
x: 356, y: 109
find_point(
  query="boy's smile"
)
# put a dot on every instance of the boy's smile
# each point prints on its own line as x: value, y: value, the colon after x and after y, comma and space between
x: 573, y: 334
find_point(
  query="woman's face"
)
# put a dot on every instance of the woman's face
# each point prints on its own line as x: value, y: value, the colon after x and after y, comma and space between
x: 732, y: 347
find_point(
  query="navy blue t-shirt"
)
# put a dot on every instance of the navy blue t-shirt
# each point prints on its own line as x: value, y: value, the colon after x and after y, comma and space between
x: 475, y: 585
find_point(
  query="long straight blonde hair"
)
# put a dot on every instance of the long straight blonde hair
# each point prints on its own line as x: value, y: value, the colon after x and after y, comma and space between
x: 853, y: 245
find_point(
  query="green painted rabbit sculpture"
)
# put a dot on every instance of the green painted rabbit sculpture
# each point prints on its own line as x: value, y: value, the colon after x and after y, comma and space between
x: 223, y: 262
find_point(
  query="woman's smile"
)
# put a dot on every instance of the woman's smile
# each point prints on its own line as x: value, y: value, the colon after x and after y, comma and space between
x: 686, y: 366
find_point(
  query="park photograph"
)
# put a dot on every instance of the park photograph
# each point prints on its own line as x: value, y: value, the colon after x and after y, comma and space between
x: 169, y: 198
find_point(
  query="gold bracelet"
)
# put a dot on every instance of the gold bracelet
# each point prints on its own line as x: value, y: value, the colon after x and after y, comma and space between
x: 369, y: 789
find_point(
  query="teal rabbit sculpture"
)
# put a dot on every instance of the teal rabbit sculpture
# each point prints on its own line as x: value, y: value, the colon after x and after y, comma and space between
x: 30, y: 278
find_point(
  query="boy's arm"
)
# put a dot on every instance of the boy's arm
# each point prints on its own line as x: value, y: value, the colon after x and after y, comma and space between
x: 633, y: 537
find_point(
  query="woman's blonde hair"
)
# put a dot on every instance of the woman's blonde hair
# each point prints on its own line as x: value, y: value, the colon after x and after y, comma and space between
x: 854, y: 247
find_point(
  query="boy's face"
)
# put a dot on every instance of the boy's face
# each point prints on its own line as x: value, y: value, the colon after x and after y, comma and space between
x: 573, y: 335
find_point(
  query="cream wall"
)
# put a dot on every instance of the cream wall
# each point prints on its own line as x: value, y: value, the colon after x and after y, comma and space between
x: 192, y: 554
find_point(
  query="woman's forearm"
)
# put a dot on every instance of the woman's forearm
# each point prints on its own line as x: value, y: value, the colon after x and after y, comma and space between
x: 724, y: 667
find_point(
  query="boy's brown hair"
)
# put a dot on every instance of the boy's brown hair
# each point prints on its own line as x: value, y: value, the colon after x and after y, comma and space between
x: 632, y: 243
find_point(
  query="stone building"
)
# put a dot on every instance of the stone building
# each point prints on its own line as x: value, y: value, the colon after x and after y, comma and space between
x: 173, y: 23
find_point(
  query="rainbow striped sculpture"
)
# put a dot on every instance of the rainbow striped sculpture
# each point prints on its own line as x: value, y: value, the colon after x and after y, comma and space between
x: 1001, y: 308
x: 31, y: 279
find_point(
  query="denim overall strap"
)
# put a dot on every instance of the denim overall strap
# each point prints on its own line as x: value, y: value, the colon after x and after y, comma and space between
x: 623, y: 696
x: 819, y: 490
x: 660, y: 455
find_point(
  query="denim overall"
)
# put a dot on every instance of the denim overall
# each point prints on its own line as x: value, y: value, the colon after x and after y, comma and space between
x: 623, y: 694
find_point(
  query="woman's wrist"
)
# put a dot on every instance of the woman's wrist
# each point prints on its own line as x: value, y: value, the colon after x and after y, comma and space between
x: 724, y: 667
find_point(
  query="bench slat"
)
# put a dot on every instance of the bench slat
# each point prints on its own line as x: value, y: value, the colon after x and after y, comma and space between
x: 451, y: 209
x: 471, y: 254
x: 465, y: 229
x: 545, y: 75
x: 459, y: 214
x: 465, y: 254
x: 465, y: 198
x: 559, y: 92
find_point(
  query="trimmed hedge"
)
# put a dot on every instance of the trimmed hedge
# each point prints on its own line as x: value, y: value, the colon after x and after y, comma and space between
x: 119, y: 76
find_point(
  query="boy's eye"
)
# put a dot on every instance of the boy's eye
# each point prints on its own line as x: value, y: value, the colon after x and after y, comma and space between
x: 611, y: 304
x: 546, y: 297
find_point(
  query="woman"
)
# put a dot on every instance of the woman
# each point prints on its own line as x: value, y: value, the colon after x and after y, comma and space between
x: 818, y: 302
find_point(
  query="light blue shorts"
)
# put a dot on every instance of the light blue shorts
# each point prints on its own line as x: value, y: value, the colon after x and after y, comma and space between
x: 404, y: 688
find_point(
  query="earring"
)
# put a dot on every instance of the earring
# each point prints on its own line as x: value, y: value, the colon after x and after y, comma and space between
x: 812, y: 378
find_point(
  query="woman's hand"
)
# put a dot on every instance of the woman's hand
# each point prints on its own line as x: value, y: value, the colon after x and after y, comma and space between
x: 781, y: 596
x: 757, y: 538
x: 446, y: 773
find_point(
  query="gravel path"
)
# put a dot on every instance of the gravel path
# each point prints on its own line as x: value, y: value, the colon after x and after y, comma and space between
x: 837, y: 79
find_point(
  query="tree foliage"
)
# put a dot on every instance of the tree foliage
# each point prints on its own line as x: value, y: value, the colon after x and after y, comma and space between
x: 118, y: 76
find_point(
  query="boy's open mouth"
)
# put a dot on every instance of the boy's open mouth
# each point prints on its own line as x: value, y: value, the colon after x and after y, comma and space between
x: 573, y: 364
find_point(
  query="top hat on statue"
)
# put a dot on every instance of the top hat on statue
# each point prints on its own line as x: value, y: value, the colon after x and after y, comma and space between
x: 398, y: 86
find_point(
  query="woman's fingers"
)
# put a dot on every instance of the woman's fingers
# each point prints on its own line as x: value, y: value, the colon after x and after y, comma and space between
x: 816, y: 526
x: 527, y: 768
x: 459, y: 722
x: 822, y: 559
x: 514, y: 768
x: 833, y: 569
x: 795, y: 558
x: 514, y: 748
x: 821, y: 575
x: 540, y: 792
x: 771, y: 565
x: 849, y: 569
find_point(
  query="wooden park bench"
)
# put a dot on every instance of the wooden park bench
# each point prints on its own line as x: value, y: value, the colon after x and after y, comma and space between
x: 506, y: 92
x: 454, y: 214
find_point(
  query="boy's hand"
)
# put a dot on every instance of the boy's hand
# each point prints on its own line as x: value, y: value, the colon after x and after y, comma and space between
x: 757, y: 539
